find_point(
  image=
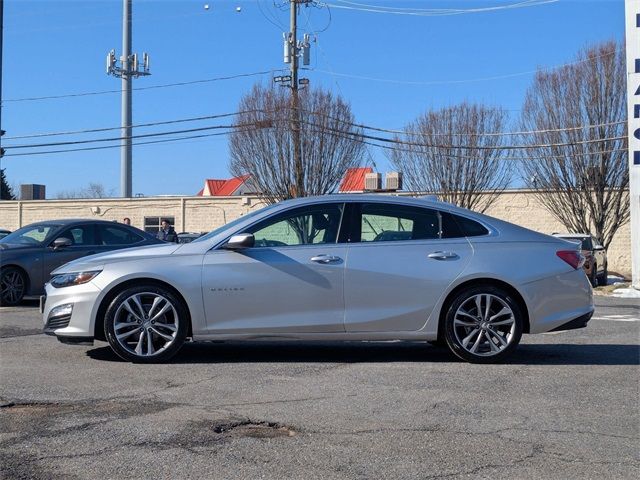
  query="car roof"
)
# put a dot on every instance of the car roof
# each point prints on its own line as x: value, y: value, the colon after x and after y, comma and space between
x: 71, y: 221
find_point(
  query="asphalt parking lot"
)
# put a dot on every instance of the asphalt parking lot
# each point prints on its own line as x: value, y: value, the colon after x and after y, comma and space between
x: 566, y: 406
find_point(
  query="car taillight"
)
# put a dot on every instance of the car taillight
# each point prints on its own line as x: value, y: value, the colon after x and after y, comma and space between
x: 572, y: 257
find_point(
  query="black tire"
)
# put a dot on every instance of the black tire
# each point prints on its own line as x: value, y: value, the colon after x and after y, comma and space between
x: 13, y: 286
x: 506, y: 326
x: 602, y: 279
x: 593, y: 277
x: 147, y: 327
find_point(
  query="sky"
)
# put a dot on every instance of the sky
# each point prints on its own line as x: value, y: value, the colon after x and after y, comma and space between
x: 59, y: 47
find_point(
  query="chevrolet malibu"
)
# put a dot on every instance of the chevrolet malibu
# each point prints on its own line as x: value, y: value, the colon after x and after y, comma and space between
x: 339, y: 267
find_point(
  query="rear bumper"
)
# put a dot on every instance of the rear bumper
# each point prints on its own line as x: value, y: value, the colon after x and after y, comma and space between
x: 557, y: 301
x: 576, y: 323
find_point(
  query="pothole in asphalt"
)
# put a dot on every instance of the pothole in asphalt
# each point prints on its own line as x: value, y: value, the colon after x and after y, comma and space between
x: 248, y: 428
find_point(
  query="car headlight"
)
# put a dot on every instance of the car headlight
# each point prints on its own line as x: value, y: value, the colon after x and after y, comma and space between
x: 76, y: 278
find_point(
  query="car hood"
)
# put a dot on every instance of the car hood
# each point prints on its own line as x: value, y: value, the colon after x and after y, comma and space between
x: 18, y: 246
x: 98, y: 261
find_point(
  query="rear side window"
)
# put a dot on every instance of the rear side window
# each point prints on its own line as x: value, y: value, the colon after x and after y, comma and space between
x: 468, y: 227
x: 113, y: 235
x: 392, y: 223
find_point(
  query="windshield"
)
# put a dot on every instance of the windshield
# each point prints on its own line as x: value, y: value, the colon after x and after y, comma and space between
x: 31, y: 234
x: 232, y: 224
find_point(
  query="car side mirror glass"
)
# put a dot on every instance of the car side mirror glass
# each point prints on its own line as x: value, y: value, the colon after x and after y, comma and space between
x: 240, y: 241
x: 61, y: 242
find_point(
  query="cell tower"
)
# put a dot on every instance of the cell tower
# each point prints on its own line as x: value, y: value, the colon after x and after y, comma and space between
x: 128, y: 68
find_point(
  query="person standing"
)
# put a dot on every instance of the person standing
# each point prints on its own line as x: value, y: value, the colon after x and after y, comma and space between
x: 167, y: 233
x: 126, y: 221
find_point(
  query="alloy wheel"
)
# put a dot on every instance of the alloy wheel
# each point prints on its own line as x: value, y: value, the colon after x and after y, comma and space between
x: 484, y: 325
x: 12, y: 286
x: 146, y: 324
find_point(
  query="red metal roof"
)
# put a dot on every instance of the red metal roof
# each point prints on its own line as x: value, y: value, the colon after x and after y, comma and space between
x: 231, y: 185
x: 353, y: 180
x: 222, y: 188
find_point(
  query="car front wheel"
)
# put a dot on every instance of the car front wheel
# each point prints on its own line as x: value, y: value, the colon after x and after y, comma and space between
x: 146, y: 324
x: 13, y: 285
x: 483, y: 324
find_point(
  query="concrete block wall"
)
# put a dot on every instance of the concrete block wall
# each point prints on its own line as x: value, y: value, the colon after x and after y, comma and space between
x: 200, y: 214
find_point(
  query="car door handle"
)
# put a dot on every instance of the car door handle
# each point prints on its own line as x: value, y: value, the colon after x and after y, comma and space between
x: 326, y: 259
x: 443, y: 255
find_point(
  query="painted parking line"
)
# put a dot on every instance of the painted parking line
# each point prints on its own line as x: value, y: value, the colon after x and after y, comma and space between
x: 616, y: 318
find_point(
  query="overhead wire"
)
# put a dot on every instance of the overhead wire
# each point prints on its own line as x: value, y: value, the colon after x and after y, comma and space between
x: 262, y: 124
x: 467, y: 80
x: 342, y: 134
x: 150, y: 87
x: 434, y: 12
x: 318, y: 114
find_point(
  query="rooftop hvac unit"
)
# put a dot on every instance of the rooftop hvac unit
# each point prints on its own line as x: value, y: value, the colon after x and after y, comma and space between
x: 373, y: 181
x: 32, y: 191
x: 393, y: 181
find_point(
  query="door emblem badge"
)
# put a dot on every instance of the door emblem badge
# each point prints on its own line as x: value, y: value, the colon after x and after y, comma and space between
x: 227, y: 289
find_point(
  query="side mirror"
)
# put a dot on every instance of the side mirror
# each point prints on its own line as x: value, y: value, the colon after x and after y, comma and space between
x: 598, y: 248
x: 61, y: 242
x: 240, y: 241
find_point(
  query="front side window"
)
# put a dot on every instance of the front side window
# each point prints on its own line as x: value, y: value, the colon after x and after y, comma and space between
x: 80, y: 235
x: 114, y: 235
x: 315, y: 224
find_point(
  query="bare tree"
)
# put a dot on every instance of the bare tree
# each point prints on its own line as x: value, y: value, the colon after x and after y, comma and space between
x: 449, y: 152
x: 93, y: 190
x: 583, y: 181
x: 262, y: 144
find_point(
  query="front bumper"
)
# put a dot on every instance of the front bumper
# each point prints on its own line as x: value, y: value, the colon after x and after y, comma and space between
x: 78, y: 326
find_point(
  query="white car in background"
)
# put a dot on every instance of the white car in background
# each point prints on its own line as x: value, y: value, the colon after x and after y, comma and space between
x: 338, y: 267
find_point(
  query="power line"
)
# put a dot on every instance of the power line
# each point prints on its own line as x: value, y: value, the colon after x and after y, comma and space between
x: 355, y: 135
x: 480, y: 147
x: 105, y: 147
x: 338, y: 133
x: 467, y: 80
x: 434, y: 12
x: 139, y: 125
x: 317, y: 114
x: 123, y: 137
x: 151, y: 87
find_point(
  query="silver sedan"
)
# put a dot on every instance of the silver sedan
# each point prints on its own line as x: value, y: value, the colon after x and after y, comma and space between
x: 338, y: 267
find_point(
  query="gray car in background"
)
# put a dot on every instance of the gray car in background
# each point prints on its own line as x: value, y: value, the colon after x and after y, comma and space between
x: 338, y: 267
x: 28, y: 255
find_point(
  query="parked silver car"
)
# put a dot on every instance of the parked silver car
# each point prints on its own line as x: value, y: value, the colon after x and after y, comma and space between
x: 338, y: 267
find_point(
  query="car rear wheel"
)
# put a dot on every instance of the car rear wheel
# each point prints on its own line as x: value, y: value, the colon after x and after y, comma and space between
x: 146, y: 324
x: 593, y: 277
x: 483, y: 324
x: 13, y: 285
x: 602, y: 279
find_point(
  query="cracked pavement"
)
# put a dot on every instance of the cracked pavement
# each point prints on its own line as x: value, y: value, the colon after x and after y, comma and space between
x: 566, y: 406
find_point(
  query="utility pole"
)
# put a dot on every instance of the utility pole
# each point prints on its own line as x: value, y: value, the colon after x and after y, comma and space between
x: 127, y: 71
x: 1, y: 70
x: 295, y: 103
x: 632, y: 14
x: 292, y: 52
